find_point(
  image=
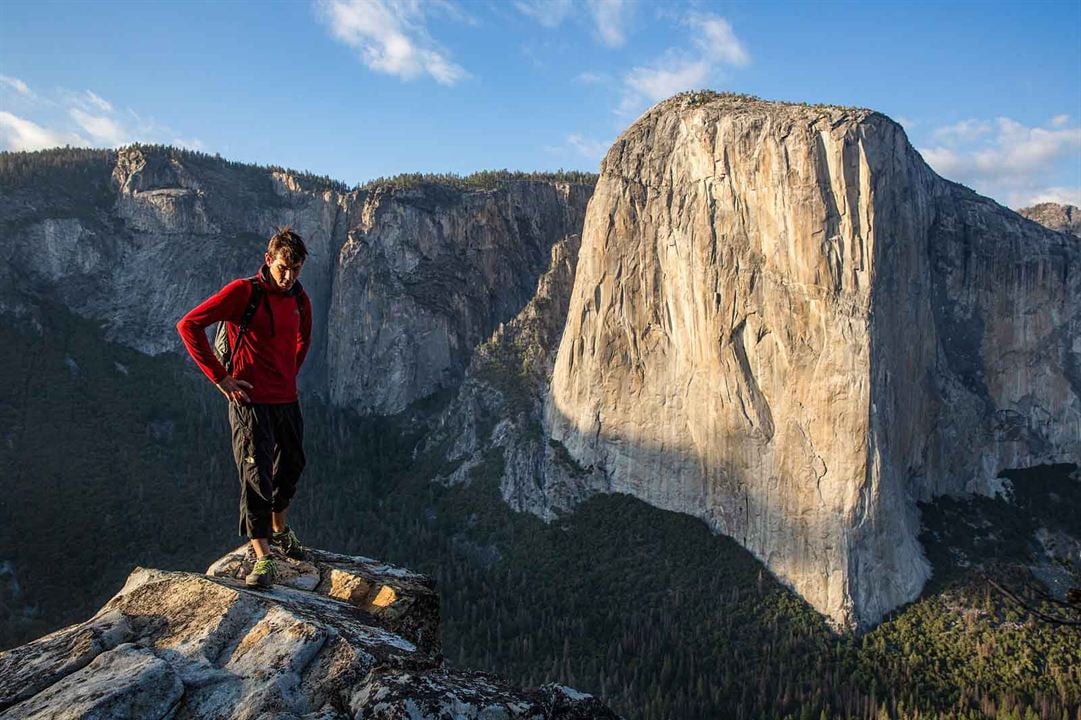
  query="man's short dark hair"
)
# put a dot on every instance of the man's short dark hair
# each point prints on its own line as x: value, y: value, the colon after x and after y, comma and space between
x: 285, y: 240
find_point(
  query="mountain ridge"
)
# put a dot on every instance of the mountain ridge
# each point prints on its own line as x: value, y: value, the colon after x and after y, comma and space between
x: 107, y: 232
x: 161, y: 205
x: 569, y: 463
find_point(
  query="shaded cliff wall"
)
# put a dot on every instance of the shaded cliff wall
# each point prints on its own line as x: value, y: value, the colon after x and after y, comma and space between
x: 404, y: 281
x: 424, y: 279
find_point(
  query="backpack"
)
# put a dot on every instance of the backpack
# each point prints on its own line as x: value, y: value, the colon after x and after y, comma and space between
x: 221, y: 335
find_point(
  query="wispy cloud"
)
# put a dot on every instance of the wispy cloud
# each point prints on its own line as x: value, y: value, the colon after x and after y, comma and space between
x: 16, y: 84
x: 715, y: 40
x: 1008, y: 160
x: 663, y: 78
x: 18, y: 133
x: 190, y: 143
x: 82, y: 119
x: 579, y: 147
x: 591, y: 78
x: 549, y: 13
x: 99, y: 102
x: 609, y: 19
x: 102, y: 129
x: 589, y: 148
x: 963, y: 131
x: 1060, y: 195
x: 715, y: 45
x: 391, y: 37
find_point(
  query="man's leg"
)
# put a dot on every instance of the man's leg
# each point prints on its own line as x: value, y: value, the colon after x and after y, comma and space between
x: 289, y: 461
x: 253, y: 443
x: 261, y: 547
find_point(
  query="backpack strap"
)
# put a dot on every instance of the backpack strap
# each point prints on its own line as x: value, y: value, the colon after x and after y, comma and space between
x: 254, y: 299
x: 298, y: 293
x: 253, y: 305
x: 245, y: 319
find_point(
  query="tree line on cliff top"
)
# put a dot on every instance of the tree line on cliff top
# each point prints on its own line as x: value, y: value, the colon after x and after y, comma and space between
x: 76, y: 164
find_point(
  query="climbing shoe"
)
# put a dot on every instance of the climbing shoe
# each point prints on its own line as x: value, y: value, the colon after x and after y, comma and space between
x: 262, y: 575
x: 288, y: 543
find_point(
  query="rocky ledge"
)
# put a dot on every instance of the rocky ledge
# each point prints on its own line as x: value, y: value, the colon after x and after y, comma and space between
x: 336, y: 637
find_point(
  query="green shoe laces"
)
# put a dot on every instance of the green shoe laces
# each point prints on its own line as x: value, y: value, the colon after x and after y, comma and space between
x: 287, y: 538
x: 263, y: 567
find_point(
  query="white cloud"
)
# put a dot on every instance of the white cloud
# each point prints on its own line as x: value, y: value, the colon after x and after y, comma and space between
x: 82, y: 119
x: 98, y: 102
x: 452, y: 10
x: 102, y: 129
x: 592, y: 149
x: 577, y: 146
x: 717, y: 41
x: 943, y: 160
x: 610, y: 18
x: 1060, y: 195
x: 18, y: 85
x: 590, y: 78
x: 18, y: 133
x: 1031, y: 148
x: 391, y: 37
x: 1010, y: 149
x: 715, y: 45
x: 963, y: 131
x: 549, y: 13
x: 666, y: 78
x: 1014, y: 163
x: 192, y: 144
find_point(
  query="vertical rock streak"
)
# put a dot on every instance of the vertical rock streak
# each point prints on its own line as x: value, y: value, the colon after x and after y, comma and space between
x: 405, y: 281
x: 426, y: 276
x: 803, y: 280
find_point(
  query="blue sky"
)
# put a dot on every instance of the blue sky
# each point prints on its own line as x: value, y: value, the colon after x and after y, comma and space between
x: 989, y: 92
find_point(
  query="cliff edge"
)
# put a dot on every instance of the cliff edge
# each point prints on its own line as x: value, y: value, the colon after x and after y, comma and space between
x: 782, y: 321
x: 338, y: 637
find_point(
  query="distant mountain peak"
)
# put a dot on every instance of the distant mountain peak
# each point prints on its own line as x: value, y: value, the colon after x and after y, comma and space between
x: 1056, y: 216
x: 785, y: 323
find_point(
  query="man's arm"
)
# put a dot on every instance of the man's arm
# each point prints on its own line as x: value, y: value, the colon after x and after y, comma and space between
x: 304, y: 333
x: 227, y: 304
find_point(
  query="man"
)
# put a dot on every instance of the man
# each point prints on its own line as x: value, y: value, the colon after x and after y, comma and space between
x: 264, y: 412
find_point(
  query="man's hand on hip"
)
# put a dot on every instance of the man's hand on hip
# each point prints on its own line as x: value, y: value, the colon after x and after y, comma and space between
x: 234, y: 389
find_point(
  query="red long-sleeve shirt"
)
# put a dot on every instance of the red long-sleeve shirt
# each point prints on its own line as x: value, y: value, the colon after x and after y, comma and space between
x: 275, y: 343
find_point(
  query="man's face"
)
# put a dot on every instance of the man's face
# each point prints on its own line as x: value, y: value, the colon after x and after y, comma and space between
x: 282, y: 272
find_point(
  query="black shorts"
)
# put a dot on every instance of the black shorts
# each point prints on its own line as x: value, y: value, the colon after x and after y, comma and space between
x: 268, y: 445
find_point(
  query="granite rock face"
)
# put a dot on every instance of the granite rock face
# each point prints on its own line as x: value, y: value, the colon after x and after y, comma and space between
x: 773, y: 317
x: 1064, y: 218
x: 498, y: 412
x: 339, y: 637
x: 427, y: 277
x: 404, y: 281
x: 784, y: 323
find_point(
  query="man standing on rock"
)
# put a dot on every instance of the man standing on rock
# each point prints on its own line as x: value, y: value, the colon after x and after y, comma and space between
x: 268, y: 321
